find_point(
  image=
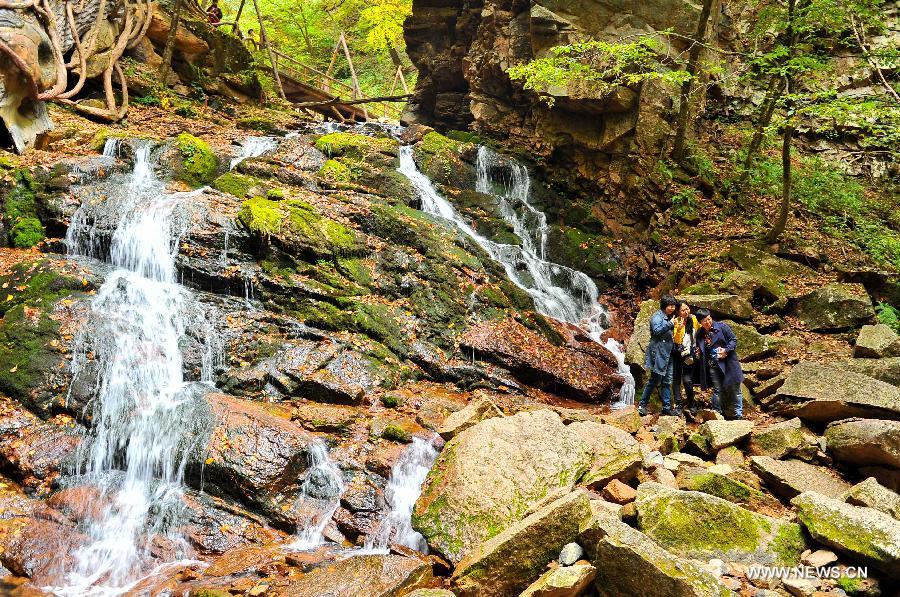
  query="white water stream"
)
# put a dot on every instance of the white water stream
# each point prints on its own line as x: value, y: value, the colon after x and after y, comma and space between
x: 558, y: 291
x: 253, y: 147
x: 324, y: 481
x: 403, y: 489
x: 136, y: 454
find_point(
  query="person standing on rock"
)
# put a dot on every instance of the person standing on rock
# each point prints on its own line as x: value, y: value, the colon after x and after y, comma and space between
x: 719, y: 360
x: 658, y: 361
x: 685, y: 336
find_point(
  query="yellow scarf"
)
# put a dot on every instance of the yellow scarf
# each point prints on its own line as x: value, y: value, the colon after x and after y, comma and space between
x: 678, y: 332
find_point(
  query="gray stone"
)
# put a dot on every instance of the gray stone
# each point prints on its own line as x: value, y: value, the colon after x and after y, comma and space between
x: 865, y: 534
x: 820, y: 558
x: 510, y: 561
x: 616, y: 455
x: 872, y: 494
x: 777, y: 440
x: 569, y: 554
x: 701, y: 526
x: 824, y: 393
x: 722, y: 434
x: 669, y: 432
x: 835, y: 306
x: 877, y: 341
x: 801, y: 587
x: 886, y: 369
x: 751, y: 345
x: 568, y: 581
x: 469, y: 497
x: 708, y: 414
x: 640, y: 337
x: 788, y: 478
x: 477, y: 410
x: 718, y: 484
x: 683, y: 458
x: 722, y: 306
x: 730, y: 456
x: 865, y: 442
x: 630, y: 564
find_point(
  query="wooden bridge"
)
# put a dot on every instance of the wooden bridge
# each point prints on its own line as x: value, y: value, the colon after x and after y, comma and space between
x: 313, y: 90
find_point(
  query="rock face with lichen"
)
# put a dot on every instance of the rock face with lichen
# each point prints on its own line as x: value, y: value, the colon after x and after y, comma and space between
x: 701, y: 526
x: 489, y: 476
x: 463, y: 51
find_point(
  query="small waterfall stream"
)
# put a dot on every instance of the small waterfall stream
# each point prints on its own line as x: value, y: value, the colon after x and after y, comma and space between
x: 403, y: 489
x: 558, y: 291
x: 253, y: 147
x: 324, y: 481
x: 136, y: 454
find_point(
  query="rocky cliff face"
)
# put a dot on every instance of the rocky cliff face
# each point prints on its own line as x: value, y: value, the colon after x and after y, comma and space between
x: 463, y: 49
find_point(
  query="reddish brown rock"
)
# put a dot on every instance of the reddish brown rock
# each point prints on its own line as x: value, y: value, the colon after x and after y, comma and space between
x: 33, y: 449
x: 577, y: 374
x: 618, y: 492
x: 38, y: 549
x: 360, y: 576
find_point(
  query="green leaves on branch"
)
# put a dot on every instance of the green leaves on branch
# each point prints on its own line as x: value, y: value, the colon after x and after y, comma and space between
x: 595, y: 68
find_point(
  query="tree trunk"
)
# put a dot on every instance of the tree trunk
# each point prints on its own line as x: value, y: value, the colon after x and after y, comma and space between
x: 395, y: 56
x: 766, y: 111
x: 784, y: 210
x: 687, y: 86
x: 166, y: 65
x: 263, y: 38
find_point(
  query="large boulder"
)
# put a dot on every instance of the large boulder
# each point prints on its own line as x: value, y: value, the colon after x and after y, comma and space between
x: 835, y: 306
x: 872, y: 494
x: 248, y: 452
x: 886, y: 369
x: 865, y: 442
x: 877, y: 341
x: 777, y: 440
x: 479, y: 409
x: 722, y: 434
x: 565, y: 581
x: 616, y: 455
x: 579, y: 374
x: 509, y: 562
x: 824, y: 393
x: 862, y: 533
x: 630, y: 564
x: 722, y: 306
x: 640, y: 336
x: 701, y: 526
x: 788, y: 478
x: 751, y: 345
x: 361, y: 576
x: 489, y: 476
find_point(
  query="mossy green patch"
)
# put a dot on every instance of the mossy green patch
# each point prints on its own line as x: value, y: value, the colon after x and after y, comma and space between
x: 334, y: 171
x: 20, y: 210
x: 723, y: 487
x: 26, y: 358
x: 26, y: 233
x: 353, y: 145
x: 258, y: 123
x: 198, y: 162
x: 261, y: 216
x: 396, y: 433
x: 41, y: 286
x: 235, y: 184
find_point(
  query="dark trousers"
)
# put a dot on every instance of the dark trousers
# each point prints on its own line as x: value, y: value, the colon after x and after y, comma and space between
x: 729, y: 394
x: 663, y: 382
x: 683, y: 375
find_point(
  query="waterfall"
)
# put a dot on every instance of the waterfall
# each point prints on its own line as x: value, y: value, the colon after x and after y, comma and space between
x: 137, y: 450
x: 253, y: 147
x: 403, y: 489
x: 558, y: 291
x: 324, y: 481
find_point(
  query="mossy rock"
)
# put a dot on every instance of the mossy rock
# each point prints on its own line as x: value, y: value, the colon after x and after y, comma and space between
x: 26, y: 233
x: 354, y: 145
x: 297, y: 227
x: 701, y: 526
x: 719, y: 485
x: 334, y: 171
x: 580, y: 250
x: 197, y: 164
x: 20, y: 207
x: 235, y: 184
x: 258, y: 123
x: 441, y: 158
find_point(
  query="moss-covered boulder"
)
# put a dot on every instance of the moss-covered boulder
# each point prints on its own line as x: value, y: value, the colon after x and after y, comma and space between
x: 836, y: 306
x: 825, y: 392
x: 470, y: 497
x: 872, y: 494
x: 696, y: 478
x: 584, y: 251
x: 751, y: 345
x: 297, y: 227
x: 862, y: 533
x: 779, y: 439
x: 508, y: 563
x: 20, y: 210
x: 616, y: 455
x: 235, y: 184
x: 722, y: 306
x: 640, y: 337
x: 442, y: 159
x: 628, y: 562
x: 195, y: 163
x: 698, y: 525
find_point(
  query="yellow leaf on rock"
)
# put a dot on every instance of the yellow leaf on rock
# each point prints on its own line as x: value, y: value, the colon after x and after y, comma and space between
x: 14, y: 369
x: 9, y: 297
x: 210, y: 460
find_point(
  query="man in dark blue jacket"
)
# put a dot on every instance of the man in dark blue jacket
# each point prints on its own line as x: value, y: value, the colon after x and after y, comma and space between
x: 659, y: 360
x: 718, y: 351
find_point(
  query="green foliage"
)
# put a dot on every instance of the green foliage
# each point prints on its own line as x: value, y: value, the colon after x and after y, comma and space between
x: 198, y: 163
x: 849, y: 584
x: 335, y: 171
x: 20, y: 210
x: 684, y: 204
x: 888, y: 315
x: 595, y: 68
x: 396, y: 433
x: 261, y: 216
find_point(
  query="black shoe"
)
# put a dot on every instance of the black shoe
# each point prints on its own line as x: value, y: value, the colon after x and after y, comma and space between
x: 666, y: 412
x: 677, y: 412
x: 642, y: 410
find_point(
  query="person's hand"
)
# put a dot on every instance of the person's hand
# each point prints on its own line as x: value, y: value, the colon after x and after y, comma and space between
x: 721, y: 352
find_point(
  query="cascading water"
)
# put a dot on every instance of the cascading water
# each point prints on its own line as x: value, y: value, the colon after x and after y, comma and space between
x: 324, y: 481
x: 137, y: 453
x: 253, y: 147
x: 403, y: 489
x: 558, y: 291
